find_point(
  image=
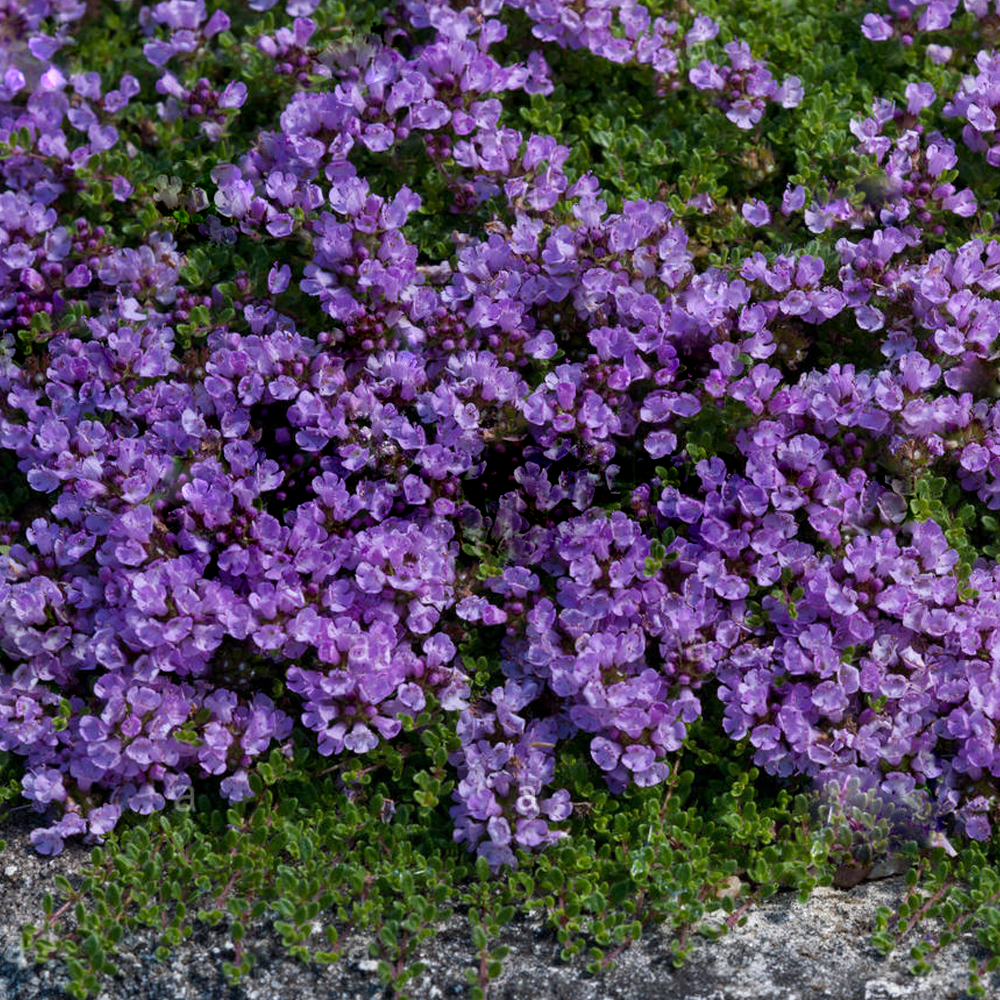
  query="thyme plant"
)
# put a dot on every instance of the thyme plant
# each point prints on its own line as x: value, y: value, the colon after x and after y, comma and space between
x: 522, y: 456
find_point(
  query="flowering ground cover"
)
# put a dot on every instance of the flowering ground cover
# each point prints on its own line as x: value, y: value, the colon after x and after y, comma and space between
x: 527, y: 454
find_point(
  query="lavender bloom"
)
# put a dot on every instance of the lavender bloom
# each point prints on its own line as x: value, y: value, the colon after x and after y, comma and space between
x: 344, y: 502
x: 756, y: 213
x: 234, y: 96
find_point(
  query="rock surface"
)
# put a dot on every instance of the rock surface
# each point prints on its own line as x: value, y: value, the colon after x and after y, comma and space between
x: 786, y: 950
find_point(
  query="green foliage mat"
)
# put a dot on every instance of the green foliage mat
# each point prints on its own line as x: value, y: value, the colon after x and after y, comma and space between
x: 322, y: 849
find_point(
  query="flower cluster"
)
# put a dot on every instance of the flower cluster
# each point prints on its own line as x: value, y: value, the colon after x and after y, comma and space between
x: 746, y: 85
x: 908, y: 18
x: 301, y: 494
x: 913, y: 163
x: 976, y: 102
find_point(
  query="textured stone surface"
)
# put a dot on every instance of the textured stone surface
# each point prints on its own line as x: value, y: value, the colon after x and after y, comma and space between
x: 787, y: 950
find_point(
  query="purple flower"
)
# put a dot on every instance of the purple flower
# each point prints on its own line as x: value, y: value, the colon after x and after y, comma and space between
x: 103, y: 819
x: 234, y: 198
x: 638, y: 758
x: 790, y: 93
x: 44, y: 786
x: 219, y: 21
x: 745, y: 114
x: 981, y: 117
x: 876, y: 27
x: 234, y: 96
x: 919, y: 96
x: 360, y: 739
x: 13, y: 82
x: 278, y: 278
x: 79, y: 277
x: 121, y: 188
x: 180, y: 14
x: 145, y: 800
x: 605, y: 753
x: 963, y: 203
x: 531, y: 832
x: 756, y: 213
x: 236, y: 786
x: 936, y: 15
x: 704, y: 29
x: 558, y: 806
x: 46, y: 840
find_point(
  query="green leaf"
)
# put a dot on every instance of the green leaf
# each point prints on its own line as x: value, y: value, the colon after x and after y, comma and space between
x: 483, y: 869
x: 478, y: 937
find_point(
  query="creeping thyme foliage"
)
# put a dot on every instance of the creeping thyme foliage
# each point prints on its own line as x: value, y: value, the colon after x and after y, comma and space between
x: 320, y: 859
x: 468, y: 422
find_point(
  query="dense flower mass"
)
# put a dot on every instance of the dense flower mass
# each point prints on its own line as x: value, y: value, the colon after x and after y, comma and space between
x: 289, y: 469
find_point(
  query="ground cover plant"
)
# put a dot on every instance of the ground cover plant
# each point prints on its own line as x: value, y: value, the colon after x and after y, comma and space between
x: 492, y: 457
